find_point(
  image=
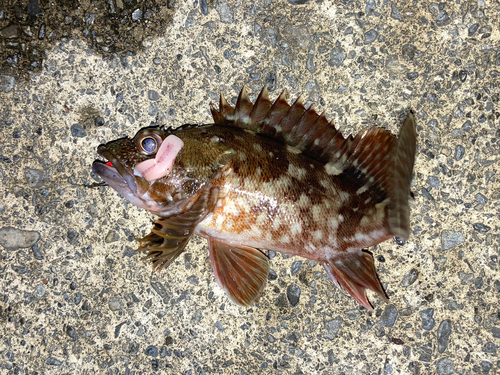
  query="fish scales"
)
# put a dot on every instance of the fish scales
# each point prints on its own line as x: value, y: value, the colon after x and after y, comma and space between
x: 268, y: 176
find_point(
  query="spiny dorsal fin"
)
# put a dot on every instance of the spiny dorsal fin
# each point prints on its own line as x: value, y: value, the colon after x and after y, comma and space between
x: 299, y: 127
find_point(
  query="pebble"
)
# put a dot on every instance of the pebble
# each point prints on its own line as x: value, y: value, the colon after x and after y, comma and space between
x: 443, y: 335
x: 296, y: 267
x: 490, y: 348
x: 281, y: 301
x: 13, y: 238
x: 136, y: 15
x: 153, y: 95
x: 112, y: 236
x: 293, y: 294
x: 389, y: 315
x: 481, y: 228
x: 443, y: 19
x: 8, y: 83
x: 115, y: 303
x: 151, y: 351
x: 333, y: 327
x: 225, y: 14
x: 370, y: 36
x: 434, y: 182
x: 472, y: 29
x: 337, y: 58
x: 78, y: 131
x: 53, y: 361
x: 72, y: 236
x: 34, y: 177
x: 10, y: 32
x: 427, y: 319
x: 444, y: 366
x: 459, y: 152
x: 395, y: 12
x: 450, y: 239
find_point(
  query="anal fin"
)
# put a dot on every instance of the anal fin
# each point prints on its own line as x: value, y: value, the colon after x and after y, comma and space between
x: 240, y: 270
x: 355, y: 272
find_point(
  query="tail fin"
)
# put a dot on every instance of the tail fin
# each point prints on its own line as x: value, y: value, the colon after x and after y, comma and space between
x: 402, y: 169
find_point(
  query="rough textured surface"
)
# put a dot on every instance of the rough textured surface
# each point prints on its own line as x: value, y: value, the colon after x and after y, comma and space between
x: 79, y: 299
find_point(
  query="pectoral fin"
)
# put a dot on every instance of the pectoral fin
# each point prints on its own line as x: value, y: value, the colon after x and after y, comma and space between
x: 241, y: 271
x: 170, y: 235
x: 355, y: 272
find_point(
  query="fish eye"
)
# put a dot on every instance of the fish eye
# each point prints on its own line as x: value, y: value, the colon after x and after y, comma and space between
x: 149, y: 144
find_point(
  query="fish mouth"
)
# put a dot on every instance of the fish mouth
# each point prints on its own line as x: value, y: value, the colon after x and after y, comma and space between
x: 114, y: 173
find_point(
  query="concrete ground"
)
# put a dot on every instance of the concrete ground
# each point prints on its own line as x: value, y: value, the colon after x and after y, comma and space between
x: 74, y: 298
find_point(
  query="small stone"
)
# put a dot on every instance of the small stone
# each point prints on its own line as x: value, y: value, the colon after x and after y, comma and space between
x: 10, y: 32
x: 481, y: 228
x: 40, y: 290
x: 193, y: 280
x: 89, y: 18
x: 115, y: 303
x: 473, y: 28
x: 296, y: 267
x: 427, y: 321
x: 225, y: 14
x: 19, y: 269
x: 333, y: 327
x: 71, y: 332
x: 410, y: 278
x: 34, y: 8
x: 136, y: 15
x: 490, y: 348
x: 337, y: 58
x: 281, y: 301
x: 389, y: 315
x: 434, y: 182
x: 481, y: 198
x: 459, y: 152
x: 151, y: 351
x: 293, y: 294
x: 495, y: 331
x: 13, y: 238
x: 72, y: 236
x: 486, y: 367
x: 444, y: 366
x: 219, y: 326
x: 450, y: 239
x: 443, y: 335
x: 443, y: 19
x: 272, y: 275
x: 112, y: 236
x: 34, y: 177
x: 395, y: 12
x: 298, y: 2
x: 204, y: 7
x: 153, y: 95
x: 370, y: 36
x: 53, y: 361
x: 8, y: 83
x: 78, y: 131
x: 99, y: 121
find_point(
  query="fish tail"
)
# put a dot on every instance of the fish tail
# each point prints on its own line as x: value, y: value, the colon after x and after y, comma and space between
x: 399, y: 188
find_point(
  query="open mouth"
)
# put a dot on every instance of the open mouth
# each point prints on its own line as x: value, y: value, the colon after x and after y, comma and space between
x: 114, y: 173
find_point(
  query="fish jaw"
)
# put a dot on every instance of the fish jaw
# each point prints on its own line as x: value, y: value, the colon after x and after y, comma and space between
x: 121, y: 178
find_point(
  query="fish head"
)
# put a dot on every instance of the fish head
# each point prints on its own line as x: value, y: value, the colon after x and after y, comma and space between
x: 124, y: 170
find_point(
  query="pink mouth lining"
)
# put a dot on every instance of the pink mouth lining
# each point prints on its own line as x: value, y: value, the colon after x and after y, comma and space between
x: 161, y: 165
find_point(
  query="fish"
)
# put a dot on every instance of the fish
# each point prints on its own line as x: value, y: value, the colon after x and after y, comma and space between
x: 268, y: 176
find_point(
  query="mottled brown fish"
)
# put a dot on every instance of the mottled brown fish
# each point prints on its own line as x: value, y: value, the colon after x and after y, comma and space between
x: 270, y: 176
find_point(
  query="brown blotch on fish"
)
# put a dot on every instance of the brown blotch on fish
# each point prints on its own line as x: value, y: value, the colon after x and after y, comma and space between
x: 272, y: 176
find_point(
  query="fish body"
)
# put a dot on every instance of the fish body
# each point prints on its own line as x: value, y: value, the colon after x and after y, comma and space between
x: 270, y: 176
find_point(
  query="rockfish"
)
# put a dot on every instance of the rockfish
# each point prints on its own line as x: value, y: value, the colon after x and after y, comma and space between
x: 268, y: 176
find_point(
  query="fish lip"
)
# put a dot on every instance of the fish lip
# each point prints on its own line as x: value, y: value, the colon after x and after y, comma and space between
x: 115, y: 174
